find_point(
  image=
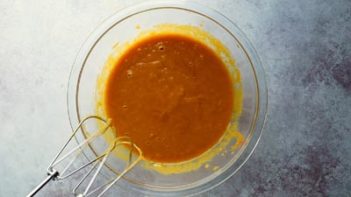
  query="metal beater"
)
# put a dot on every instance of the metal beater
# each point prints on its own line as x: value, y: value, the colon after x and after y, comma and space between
x: 95, y: 164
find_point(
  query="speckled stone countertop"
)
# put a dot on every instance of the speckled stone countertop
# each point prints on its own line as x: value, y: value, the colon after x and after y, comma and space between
x: 305, y: 149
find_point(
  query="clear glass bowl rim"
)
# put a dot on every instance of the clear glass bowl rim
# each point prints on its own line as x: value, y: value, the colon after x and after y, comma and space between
x: 226, y: 23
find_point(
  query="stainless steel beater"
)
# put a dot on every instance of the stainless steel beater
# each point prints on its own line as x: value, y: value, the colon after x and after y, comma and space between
x: 95, y: 164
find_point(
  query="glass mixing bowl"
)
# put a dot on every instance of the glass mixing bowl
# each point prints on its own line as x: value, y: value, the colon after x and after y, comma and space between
x: 120, y: 28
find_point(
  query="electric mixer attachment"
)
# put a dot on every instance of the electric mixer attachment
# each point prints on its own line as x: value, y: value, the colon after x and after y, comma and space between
x: 65, y: 160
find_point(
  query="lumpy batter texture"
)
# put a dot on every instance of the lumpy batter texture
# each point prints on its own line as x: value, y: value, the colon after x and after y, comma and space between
x: 172, y: 95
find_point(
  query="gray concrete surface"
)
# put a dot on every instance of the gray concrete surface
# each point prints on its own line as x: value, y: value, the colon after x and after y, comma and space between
x: 305, y: 46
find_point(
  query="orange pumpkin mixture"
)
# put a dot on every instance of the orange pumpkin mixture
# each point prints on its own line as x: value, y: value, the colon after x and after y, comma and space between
x: 172, y: 95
